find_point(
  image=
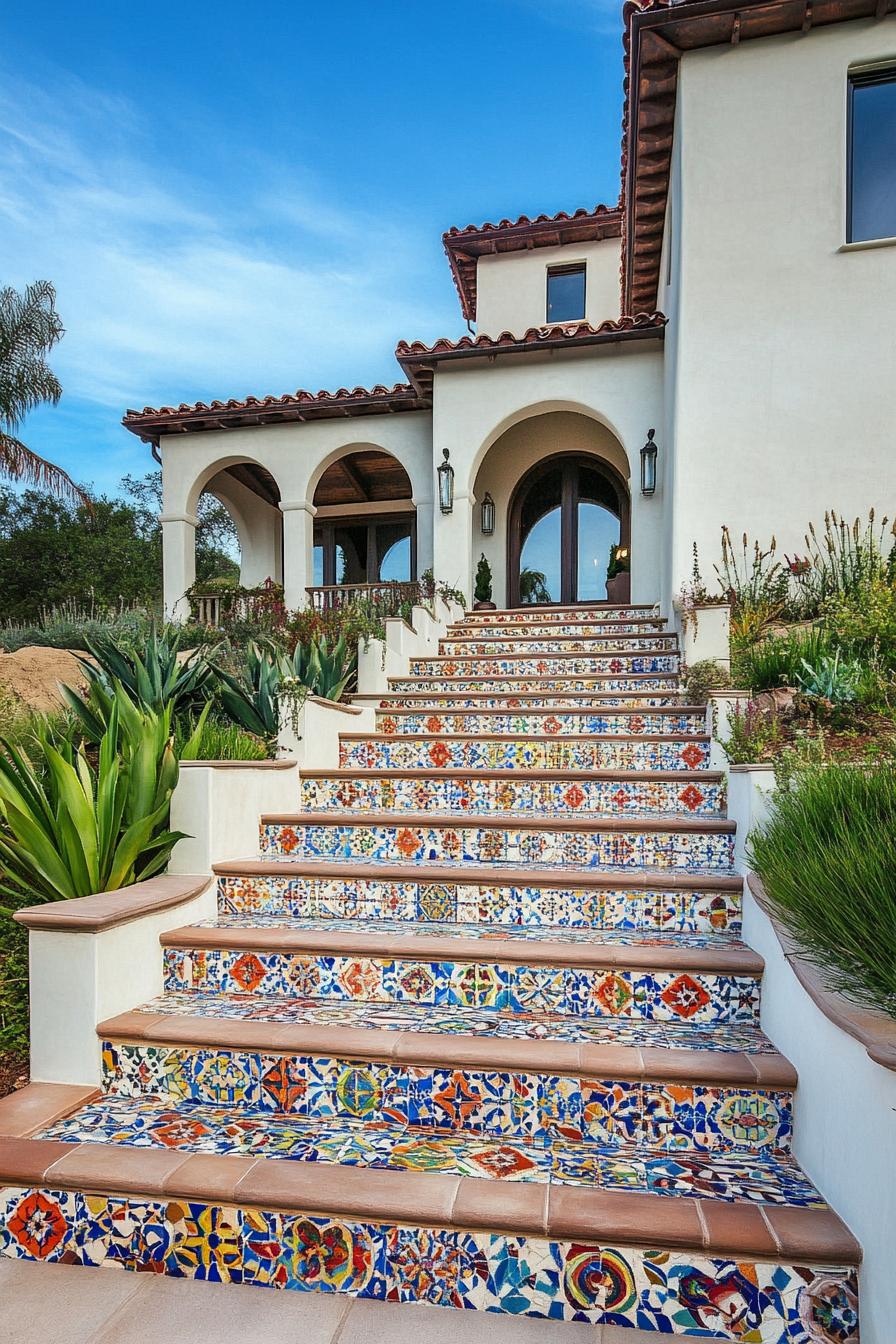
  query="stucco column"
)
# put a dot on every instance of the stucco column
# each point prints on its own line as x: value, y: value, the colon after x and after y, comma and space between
x: 298, y: 551
x: 178, y: 562
x: 425, y: 557
x: 453, y: 545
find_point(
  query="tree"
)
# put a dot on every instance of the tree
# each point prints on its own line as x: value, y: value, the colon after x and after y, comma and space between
x: 216, y: 535
x: 29, y: 328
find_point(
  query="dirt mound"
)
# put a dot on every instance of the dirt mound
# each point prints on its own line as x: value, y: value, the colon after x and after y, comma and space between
x: 30, y: 676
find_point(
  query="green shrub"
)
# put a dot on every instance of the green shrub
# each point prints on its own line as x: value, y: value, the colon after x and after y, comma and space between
x: 756, y: 735
x: 154, y: 675
x: 74, y: 828
x: 865, y: 625
x: 214, y: 740
x: 846, y: 561
x: 827, y: 860
x: 703, y: 677
x: 483, y: 589
x: 72, y: 624
x: 778, y: 661
x: 830, y: 678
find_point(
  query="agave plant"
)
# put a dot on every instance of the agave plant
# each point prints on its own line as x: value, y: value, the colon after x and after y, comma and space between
x: 251, y: 701
x: 325, y: 672
x: 831, y: 679
x: 75, y: 828
x: 154, y: 676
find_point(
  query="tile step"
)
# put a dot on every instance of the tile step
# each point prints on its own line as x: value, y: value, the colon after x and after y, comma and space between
x: 551, y: 844
x: 472, y: 646
x: 496, y: 721
x: 610, y: 663
x: 479, y: 751
x: 437, y: 689
x: 587, y: 629
x: 516, y: 792
x: 506, y: 898
x: 582, y: 980
x: 150, y: 1124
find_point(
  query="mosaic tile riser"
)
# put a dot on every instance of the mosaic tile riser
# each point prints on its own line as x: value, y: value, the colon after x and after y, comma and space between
x: 363, y: 898
x: 659, y: 996
x: 671, y: 1292
x: 666, y: 688
x: 546, y: 665
x: 555, y: 615
x: 691, y: 851
x: 537, y: 1108
x: 521, y: 797
x: 584, y: 629
x: 437, y: 753
x: 557, y: 724
x: 478, y: 648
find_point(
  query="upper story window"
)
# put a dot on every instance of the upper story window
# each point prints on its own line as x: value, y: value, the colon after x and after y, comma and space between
x: 566, y: 293
x: 871, y: 184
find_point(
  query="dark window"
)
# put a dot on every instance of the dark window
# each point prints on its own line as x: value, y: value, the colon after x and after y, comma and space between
x: 566, y: 293
x: 871, y: 204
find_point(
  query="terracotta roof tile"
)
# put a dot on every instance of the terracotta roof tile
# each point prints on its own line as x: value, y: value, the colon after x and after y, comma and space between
x: 464, y: 246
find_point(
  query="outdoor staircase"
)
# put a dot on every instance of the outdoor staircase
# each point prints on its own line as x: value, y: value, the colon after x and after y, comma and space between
x: 477, y: 1029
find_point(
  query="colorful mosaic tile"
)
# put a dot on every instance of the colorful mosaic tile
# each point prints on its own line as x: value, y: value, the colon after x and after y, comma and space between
x: 547, y: 665
x: 536, y: 1107
x: 474, y: 647
x: 404, y: 752
x: 453, y: 900
x: 524, y: 616
x: 586, y: 628
x: 557, y: 688
x: 690, y: 851
x: 666, y: 1291
x: 655, y: 995
x: 560, y: 723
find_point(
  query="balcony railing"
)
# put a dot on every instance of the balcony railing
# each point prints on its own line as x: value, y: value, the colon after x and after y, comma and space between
x: 387, y: 596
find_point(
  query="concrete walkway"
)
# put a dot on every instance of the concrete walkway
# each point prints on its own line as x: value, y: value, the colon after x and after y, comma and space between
x: 73, y: 1305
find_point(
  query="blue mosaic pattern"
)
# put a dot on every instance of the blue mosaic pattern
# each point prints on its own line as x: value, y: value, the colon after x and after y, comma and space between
x: 534, y: 1107
x: 452, y: 899
x: 547, y: 665
x: 696, y: 996
x: 691, y: 851
x: 474, y: 794
x: 556, y: 1280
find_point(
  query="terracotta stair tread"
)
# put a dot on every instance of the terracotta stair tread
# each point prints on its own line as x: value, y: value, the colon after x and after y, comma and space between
x: 476, y: 874
x: 739, y: 959
x: 733, y: 1068
x: 671, y: 821
x: 432, y: 1199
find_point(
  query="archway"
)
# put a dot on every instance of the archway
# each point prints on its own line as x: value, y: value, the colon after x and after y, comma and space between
x: 566, y: 514
x: 365, y: 522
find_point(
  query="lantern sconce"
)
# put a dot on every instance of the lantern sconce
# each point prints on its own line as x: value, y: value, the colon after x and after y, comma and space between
x: 648, y: 464
x: 446, y: 484
x: 488, y: 515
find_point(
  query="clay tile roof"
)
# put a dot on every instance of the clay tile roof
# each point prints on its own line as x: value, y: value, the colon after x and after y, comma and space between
x: 151, y: 422
x: 464, y: 246
x: 419, y: 360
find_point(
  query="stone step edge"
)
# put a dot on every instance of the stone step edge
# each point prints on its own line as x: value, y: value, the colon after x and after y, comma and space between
x: 740, y: 960
x: 478, y: 875
x: 736, y: 1069
x: 602, y: 773
x: 523, y: 737
x: 671, y: 821
x: 430, y: 1199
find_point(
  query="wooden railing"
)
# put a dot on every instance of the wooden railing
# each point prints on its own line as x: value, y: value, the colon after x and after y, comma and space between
x: 389, y: 596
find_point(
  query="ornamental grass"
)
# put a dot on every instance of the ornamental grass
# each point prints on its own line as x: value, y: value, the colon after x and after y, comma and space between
x: 827, y: 860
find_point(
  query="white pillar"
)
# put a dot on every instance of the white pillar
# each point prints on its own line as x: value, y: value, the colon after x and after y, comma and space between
x: 178, y: 562
x: 425, y: 557
x: 453, y: 545
x: 298, y: 552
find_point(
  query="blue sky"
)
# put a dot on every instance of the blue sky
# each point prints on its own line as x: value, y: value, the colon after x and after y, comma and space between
x: 235, y: 199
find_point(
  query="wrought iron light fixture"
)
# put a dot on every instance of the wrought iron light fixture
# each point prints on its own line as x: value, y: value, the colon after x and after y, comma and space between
x: 446, y: 484
x: 648, y: 464
x: 488, y: 515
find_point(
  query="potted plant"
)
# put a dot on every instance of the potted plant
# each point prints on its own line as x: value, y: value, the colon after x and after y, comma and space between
x: 619, y: 581
x: 482, y: 594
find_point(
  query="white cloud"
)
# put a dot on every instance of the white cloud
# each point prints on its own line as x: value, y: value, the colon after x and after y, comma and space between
x: 168, y: 294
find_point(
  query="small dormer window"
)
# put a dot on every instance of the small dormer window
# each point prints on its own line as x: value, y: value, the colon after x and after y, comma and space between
x: 566, y: 293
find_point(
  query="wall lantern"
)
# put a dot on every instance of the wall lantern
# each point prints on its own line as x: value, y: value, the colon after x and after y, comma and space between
x: 488, y: 515
x: 446, y: 484
x: 648, y: 464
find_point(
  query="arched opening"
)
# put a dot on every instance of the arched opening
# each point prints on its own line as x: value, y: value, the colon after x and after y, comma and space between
x: 566, y: 515
x: 238, y: 508
x: 365, y: 527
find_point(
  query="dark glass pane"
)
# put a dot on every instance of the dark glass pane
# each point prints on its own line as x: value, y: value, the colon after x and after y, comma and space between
x: 540, y: 560
x: 393, y: 547
x: 566, y: 295
x: 873, y: 161
x: 318, y: 570
x: 351, y: 554
x: 598, y: 531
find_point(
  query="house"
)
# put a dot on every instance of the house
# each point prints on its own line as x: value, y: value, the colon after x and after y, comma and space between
x: 749, y: 346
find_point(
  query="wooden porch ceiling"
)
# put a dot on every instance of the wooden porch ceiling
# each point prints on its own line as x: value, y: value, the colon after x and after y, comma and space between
x: 361, y: 478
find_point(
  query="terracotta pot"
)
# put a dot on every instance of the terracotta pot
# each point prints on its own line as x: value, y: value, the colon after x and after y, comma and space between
x: 484, y: 606
x: 619, y: 588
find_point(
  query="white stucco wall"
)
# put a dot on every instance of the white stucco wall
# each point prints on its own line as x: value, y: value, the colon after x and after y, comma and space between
x: 783, y: 345
x: 511, y: 288
x: 475, y: 402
